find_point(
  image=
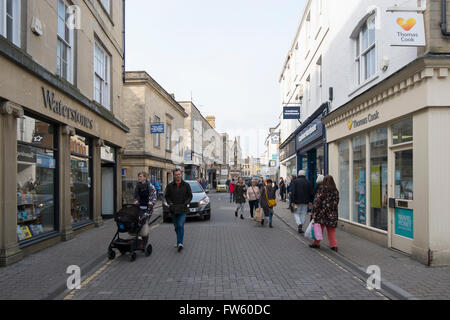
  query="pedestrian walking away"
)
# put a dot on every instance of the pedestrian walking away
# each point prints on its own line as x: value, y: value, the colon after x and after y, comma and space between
x: 302, y: 197
x: 325, y: 211
x: 253, y: 196
x: 240, y: 192
x: 232, y: 187
x: 228, y: 185
x: 268, y: 201
x: 178, y: 195
x: 282, y: 190
x: 289, y: 190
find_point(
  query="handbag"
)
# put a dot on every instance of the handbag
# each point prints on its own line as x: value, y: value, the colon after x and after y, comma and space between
x: 271, y: 203
x: 259, y: 215
x: 309, y: 230
x: 317, y: 232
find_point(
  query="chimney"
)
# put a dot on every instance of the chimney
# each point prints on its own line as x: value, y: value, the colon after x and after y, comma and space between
x: 212, y: 121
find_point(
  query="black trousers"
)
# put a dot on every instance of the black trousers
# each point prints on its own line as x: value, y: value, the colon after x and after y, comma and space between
x: 253, y: 205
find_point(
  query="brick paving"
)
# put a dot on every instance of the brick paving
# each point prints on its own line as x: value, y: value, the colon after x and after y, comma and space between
x: 225, y: 259
x: 418, y: 280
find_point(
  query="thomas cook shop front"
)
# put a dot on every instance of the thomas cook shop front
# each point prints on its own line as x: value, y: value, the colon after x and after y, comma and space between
x: 389, y: 152
x: 56, y: 151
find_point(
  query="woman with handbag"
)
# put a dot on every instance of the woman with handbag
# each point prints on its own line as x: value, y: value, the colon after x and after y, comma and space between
x: 325, y: 211
x: 268, y: 201
x: 240, y: 191
x: 253, y: 196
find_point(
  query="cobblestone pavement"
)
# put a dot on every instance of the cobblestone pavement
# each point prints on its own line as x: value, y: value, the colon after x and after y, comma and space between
x: 225, y: 258
x: 402, y: 272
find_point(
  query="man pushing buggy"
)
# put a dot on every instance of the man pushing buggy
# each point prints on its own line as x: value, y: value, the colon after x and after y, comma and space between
x: 145, y: 194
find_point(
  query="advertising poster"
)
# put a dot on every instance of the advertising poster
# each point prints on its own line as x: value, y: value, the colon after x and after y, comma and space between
x: 362, y: 196
x: 375, y: 189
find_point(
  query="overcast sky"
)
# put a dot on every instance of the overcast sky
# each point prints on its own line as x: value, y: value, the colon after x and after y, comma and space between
x: 228, y: 54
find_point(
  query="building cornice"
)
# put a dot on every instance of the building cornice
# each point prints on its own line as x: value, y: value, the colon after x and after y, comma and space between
x: 142, y: 77
x: 25, y: 61
x: 418, y: 71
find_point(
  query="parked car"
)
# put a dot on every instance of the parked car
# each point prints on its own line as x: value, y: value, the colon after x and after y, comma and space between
x: 200, y: 205
x: 222, y: 186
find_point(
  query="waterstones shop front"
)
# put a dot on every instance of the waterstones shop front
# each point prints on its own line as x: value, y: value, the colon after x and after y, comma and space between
x: 311, y: 146
x: 58, y: 167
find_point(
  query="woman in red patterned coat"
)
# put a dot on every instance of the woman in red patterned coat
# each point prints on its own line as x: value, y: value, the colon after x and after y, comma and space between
x: 325, y: 211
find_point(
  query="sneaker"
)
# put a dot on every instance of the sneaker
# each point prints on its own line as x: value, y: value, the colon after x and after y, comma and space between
x: 242, y: 217
x: 300, y: 229
x: 236, y: 214
x: 262, y: 223
x: 180, y: 247
x: 270, y: 225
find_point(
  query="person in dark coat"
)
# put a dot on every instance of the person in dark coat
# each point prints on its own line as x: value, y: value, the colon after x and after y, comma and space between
x: 325, y: 211
x: 302, y: 197
x: 282, y: 190
x: 268, y: 192
x: 178, y: 195
x: 289, y: 191
x: 240, y: 192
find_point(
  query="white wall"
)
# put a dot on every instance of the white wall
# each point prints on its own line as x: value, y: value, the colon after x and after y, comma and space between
x: 330, y: 31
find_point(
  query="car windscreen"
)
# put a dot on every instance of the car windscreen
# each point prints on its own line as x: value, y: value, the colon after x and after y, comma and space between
x: 223, y: 182
x: 196, y: 187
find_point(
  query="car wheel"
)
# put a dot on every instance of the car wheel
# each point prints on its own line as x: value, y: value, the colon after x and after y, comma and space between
x: 208, y: 217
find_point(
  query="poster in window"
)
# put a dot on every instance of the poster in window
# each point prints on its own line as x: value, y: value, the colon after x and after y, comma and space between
x: 375, y: 189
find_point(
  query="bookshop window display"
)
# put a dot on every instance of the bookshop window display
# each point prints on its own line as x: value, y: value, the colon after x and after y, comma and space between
x: 80, y: 179
x: 36, y: 177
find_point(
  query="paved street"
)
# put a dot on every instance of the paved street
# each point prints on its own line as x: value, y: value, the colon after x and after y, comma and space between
x: 225, y: 258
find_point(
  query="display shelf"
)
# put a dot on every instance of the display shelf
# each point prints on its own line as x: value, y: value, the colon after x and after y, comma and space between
x: 27, y: 220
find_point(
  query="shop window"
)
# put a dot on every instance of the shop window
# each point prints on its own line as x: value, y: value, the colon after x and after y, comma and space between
x: 344, y: 180
x: 80, y: 179
x: 359, y: 180
x: 320, y: 165
x: 36, y: 178
x: 379, y: 179
x: 402, y: 132
x: 10, y: 20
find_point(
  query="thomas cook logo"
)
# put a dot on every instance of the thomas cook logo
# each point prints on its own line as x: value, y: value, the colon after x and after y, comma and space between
x: 406, y: 24
x: 350, y: 125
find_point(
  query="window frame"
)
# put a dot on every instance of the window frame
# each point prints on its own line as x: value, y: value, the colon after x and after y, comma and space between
x: 105, y: 7
x: 105, y: 81
x: 68, y: 45
x: 157, y: 140
x: 16, y: 21
x: 362, y: 54
x: 168, y: 137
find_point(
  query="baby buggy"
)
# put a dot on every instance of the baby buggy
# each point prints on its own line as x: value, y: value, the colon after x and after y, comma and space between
x: 132, y: 219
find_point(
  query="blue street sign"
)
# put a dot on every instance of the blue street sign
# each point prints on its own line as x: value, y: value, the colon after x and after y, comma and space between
x: 291, y: 113
x: 157, y: 128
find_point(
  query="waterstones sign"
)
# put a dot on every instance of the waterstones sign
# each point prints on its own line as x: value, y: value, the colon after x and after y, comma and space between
x: 354, y: 124
x: 57, y: 107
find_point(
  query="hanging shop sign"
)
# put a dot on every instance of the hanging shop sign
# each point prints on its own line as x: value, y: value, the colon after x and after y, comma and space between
x: 407, y: 29
x: 275, y: 138
x: 291, y: 113
x: 310, y: 134
x: 57, y: 107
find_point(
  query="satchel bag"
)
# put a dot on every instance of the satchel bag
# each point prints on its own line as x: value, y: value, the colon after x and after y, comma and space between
x: 259, y: 215
x: 271, y: 203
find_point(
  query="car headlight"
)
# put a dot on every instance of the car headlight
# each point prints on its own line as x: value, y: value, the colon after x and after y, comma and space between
x: 204, y: 202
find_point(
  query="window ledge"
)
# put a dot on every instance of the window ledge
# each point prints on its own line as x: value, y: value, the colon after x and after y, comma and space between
x: 365, y: 83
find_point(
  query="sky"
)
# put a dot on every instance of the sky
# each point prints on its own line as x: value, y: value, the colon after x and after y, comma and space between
x: 226, y: 55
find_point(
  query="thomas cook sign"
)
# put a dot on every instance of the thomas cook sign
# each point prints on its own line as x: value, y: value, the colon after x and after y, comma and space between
x: 354, y: 124
x: 57, y: 107
x: 407, y: 29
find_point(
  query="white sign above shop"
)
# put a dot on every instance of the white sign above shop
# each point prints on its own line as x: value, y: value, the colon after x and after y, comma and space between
x: 407, y: 29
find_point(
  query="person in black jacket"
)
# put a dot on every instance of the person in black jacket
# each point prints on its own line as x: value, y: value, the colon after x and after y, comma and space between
x: 178, y: 196
x: 302, y: 197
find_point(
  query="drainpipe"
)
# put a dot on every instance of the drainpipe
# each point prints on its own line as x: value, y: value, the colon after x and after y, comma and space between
x: 444, y: 18
x: 123, y: 43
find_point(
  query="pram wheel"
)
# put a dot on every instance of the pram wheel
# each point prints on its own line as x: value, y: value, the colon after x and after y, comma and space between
x: 111, y: 254
x: 133, y: 256
x: 149, y: 250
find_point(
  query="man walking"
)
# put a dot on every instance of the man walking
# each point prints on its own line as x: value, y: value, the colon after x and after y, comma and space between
x: 302, y: 197
x: 178, y: 196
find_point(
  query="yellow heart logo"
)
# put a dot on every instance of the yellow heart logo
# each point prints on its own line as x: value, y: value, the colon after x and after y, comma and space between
x: 350, y: 125
x: 406, y: 25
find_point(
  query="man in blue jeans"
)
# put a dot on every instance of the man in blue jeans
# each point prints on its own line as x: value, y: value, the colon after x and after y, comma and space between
x: 178, y: 196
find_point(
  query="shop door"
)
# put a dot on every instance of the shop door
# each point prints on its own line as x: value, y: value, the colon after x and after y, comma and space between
x: 403, y: 213
x: 108, y: 190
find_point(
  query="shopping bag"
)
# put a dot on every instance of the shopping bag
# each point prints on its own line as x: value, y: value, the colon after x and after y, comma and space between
x: 308, y: 233
x: 259, y: 215
x: 318, y: 232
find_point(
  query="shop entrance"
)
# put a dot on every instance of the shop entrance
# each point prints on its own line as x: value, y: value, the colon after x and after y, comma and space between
x: 108, y: 190
x: 403, y: 213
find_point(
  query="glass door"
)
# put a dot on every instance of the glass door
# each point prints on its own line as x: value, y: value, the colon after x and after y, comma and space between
x: 403, y: 215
